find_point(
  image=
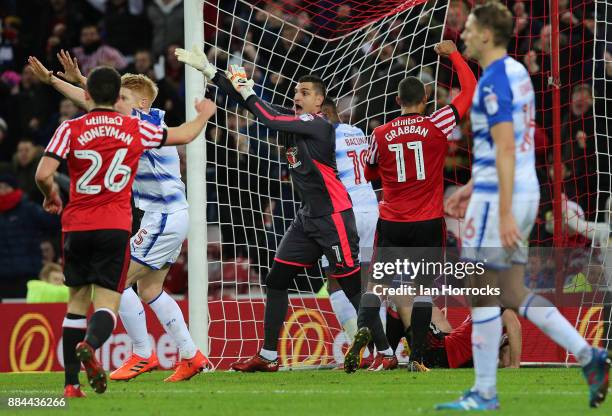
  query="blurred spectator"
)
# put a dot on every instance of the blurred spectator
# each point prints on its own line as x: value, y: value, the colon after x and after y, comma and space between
x: 577, y: 134
x: 67, y: 111
x: 25, y: 163
x: 126, y: 27
x: 32, y: 102
x: 142, y: 64
x: 6, y: 148
x: 48, y: 252
x: 168, y: 96
x: 11, y: 52
x: 23, y: 224
x: 166, y: 17
x: 49, y: 288
x: 93, y: 52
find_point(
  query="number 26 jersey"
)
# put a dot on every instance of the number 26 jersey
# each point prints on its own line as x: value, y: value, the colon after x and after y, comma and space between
x: 102, y: 149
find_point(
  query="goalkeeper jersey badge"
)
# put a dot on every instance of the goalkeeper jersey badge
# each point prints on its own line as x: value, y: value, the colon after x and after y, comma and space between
x: 292, y: 158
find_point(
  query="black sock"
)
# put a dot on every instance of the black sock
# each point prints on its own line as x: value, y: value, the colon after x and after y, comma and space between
x: 100, y: 328
x: 73, y: 332
x: 277, y: 303
x: 369, y: 317
x: 419, y: 323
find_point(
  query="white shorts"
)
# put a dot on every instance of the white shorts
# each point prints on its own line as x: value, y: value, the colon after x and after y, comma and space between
x: 480, y: 239
x: 160, y: 237
x: 366, y: 228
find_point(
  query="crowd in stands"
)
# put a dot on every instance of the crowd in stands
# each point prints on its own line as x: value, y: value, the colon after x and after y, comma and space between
x: 250, y: 197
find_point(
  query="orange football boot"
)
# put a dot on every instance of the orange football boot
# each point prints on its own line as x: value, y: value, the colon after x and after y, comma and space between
x: 186, y: 369
x: 135, y: 366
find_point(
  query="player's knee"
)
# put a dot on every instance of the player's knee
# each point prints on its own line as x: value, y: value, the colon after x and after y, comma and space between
x: 281, y: 275
x: 147, y: 291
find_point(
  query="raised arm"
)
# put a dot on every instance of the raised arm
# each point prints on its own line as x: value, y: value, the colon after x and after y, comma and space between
x: 75, y: 94
x: 196, y: 58
x: 188, y: 131
x: 467, y: 81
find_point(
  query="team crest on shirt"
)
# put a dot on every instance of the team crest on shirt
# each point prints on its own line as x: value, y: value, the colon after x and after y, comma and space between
x: 490, y: 101
x: 307, y: 117
x: 292, y: 157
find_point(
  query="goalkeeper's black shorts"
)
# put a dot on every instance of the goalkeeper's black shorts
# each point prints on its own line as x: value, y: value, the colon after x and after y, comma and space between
x: 308, y: 238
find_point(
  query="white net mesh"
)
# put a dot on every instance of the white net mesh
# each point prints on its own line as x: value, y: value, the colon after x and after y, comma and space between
x: 251, y: 201
x: 595, y: 308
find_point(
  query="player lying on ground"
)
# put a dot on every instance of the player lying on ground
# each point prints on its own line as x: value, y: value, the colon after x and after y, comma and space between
x: 408, y: 154
x: 351, y: 147
x: 324, y: 224
x: 158, y: 191
x: 102, y: 149
x: 448, y: 347
x: 503, y: 197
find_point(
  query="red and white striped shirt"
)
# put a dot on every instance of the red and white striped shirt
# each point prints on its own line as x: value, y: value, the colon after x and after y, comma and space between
x: 409, y: 154
x: 102, y: 149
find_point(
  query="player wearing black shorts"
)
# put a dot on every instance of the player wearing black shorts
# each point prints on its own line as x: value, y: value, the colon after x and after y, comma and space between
x: 407, y: 154
x: 325, y: 223
x: 99, y: 257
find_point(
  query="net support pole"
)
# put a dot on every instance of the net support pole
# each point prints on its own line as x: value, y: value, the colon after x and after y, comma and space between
x: 555, y: 83
x: 196, y: 186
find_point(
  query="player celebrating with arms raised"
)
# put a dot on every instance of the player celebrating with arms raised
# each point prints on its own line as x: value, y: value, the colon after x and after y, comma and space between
x: 160, y: 193
x: 408, y: 154
x: 503, y: 203
x: 102, y: 149
x: 324, y: 224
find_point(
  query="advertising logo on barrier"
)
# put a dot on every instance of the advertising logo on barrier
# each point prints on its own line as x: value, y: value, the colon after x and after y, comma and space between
x: 31, y: 345
x: 591, y: 326
x: 304, y: 339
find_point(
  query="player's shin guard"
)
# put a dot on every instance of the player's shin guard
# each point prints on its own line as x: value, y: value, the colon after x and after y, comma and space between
x: 486, y: 334
x: 100, y: 327
x: 133, y: 317
x: 73, y: 332
x: 368, y: 317
x: 419, y: 325
x: 547, y: 317
x: 171, y: 317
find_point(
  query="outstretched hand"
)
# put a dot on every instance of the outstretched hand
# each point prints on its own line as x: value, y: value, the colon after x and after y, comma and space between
x: 196, y: 59
x: 445, y: 48
x: 71, y: 73
x: 39, y: 70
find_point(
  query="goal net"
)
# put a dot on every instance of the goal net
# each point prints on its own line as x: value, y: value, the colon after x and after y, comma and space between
x: 362, y: 49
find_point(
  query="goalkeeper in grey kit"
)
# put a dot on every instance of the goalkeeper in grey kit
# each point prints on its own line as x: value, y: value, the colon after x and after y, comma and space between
x: 324, y: 224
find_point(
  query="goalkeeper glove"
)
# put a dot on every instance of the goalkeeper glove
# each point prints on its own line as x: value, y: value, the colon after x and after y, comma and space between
x: 196, y: 59
x: 237, y: 75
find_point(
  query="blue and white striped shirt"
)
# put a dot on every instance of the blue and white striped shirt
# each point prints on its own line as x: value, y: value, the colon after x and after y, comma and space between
x: 351, y: 150
x: 158, y: 186
x: 504, y: 93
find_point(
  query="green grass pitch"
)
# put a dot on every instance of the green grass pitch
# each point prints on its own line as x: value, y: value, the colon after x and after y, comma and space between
x: 522, y: 392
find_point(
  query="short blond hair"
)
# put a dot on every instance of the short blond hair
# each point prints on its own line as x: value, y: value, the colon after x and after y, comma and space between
x: 141, y: 84
x: 47, y: 269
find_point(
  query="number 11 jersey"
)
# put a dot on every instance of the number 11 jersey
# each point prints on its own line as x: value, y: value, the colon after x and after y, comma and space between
x: 102, y: 149
x: 409, y: 154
